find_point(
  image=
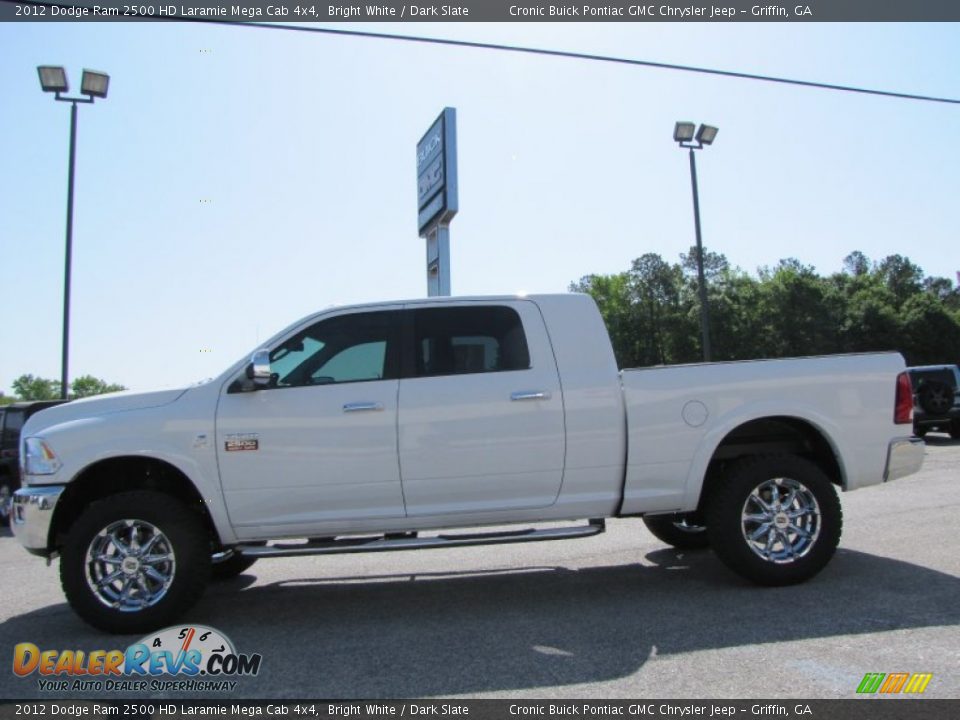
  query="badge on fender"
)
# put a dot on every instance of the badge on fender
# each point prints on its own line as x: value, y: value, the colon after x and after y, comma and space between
x: 242, y: 441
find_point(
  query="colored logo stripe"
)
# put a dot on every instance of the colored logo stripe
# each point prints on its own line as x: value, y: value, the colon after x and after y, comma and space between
x: 894, y: 683
x: 918, y: 683
x: 870, y: 683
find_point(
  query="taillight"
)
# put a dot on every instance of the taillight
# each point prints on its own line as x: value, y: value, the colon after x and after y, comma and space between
x: 903, y: 411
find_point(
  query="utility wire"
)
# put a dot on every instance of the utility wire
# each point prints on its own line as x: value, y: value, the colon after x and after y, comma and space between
x: 540, y: 51
x: 607, y: 59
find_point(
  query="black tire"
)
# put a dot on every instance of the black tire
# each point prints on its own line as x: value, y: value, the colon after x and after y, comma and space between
x: 955, y: 429
x: 921, y: 431
x: 818, y: 510
x: 684, y: 531
x: 6, y: 502
x: 140, y: 519
x: 230, y: 566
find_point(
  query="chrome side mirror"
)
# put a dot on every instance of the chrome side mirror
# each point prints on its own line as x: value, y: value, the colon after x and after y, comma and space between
x: 259, y: 368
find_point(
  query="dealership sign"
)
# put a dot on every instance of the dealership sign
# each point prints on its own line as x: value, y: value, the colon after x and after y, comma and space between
x: 437, y: 172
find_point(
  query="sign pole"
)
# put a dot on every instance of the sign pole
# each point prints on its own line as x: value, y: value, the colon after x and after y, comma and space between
x: 438, y: 261
x: 437, y: 197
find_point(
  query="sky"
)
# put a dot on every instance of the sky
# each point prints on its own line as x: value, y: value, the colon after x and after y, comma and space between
x: 237, y: 179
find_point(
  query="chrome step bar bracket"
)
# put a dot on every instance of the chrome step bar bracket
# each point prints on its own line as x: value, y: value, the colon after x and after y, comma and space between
x: 380, y: 543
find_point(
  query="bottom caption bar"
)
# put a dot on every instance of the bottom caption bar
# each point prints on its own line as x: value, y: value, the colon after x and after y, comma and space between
x: 853, y: 709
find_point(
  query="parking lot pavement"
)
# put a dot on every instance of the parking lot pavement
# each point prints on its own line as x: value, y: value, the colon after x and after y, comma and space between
x: 615, y: 616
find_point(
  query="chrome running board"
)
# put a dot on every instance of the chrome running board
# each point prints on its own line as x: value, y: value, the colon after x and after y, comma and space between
x: 410, y: 541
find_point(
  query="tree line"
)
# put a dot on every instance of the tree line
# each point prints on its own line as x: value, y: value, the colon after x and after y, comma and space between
x: 652, y: 310
x: 29, y: 387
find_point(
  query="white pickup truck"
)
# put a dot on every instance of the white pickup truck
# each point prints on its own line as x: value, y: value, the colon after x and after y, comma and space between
x: 381, y: 427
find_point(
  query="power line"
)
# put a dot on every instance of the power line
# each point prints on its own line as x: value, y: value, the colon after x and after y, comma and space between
x: 608, y: 59
x: 542, y: 51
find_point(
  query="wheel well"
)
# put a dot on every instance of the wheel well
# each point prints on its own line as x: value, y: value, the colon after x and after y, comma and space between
x: 773, y: 435
x: 122, y: 474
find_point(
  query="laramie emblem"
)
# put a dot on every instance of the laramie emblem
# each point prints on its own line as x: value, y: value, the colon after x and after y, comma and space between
x: 248, y: 441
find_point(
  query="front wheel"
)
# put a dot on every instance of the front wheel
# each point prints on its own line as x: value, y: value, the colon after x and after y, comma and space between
x: 134, y: 561
x: 684, y: 531
x: 774, y: 519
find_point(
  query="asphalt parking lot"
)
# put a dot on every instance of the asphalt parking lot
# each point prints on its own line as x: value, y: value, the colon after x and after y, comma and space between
x: 615, y: 616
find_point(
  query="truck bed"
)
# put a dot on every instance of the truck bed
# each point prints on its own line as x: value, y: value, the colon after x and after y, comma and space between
x: 678, y: 416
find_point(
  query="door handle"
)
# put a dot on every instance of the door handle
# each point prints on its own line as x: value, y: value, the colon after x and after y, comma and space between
x: 530, y: 395
x: 362, y: 406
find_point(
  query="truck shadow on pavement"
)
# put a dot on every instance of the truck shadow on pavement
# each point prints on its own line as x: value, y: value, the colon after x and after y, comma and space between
x: 483, y: 631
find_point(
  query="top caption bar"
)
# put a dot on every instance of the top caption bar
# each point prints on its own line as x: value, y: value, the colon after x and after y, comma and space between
x: 294, y: 11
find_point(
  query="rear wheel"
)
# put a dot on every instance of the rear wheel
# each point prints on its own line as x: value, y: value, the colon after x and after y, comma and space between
x: 229, y: 564
x: 684, y: 531
x: 134, y: 561
x: 774, y: 519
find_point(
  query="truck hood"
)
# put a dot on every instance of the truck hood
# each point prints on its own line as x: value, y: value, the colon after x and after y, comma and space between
x: 99, y: 406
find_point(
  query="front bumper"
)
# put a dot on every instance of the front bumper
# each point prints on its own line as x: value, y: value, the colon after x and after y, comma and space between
x: 32, y: 514
x: 904, y: 457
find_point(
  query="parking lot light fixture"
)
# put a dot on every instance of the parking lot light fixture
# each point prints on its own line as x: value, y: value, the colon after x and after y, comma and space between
x: 53, y: 79
x: 683, y: 134
x: 683, y: 131
x: 93, y: 85
x: 706, y: 134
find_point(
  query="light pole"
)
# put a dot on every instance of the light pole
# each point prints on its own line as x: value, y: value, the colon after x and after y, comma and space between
x: 93, y: 85
x: 683, y: 133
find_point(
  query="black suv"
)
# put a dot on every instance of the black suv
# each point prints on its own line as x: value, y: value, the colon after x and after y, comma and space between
x: 12, y: 419
x: 936, y: 399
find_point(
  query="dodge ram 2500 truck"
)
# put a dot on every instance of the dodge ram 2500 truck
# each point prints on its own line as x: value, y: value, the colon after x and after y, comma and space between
x: 381, y: 427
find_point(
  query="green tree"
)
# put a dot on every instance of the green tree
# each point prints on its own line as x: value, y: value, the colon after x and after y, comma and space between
x: 661, y: 322
x: 901, y: 276
x: 856, y: 263
x: 794, y: 307
x: 652, y: 311
x: 28, y: 387
x: 931, y: 335
x: 714, y: 264
x: 87, y: 385
x: 736, y: 325
x: 871, y: 321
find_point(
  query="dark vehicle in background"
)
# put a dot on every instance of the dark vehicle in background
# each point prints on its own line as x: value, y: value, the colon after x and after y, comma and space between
x: 936, y: 399
x: 12, y: 419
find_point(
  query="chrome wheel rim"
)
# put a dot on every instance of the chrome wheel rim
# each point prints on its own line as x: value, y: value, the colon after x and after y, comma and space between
x: 781, y: 520
x: 130, y: 565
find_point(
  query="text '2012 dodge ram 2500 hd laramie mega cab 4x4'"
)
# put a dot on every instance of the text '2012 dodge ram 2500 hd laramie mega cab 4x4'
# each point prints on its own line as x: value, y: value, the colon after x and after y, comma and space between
x: 381, y: 427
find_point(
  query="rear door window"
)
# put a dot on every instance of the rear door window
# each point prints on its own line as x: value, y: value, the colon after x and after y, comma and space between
x: 470, y: 339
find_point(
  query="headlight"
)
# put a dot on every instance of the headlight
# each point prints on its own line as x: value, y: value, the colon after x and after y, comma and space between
x: 39, y: 458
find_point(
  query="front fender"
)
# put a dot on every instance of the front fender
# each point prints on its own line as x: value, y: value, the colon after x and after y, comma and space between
x: 186, y: 445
